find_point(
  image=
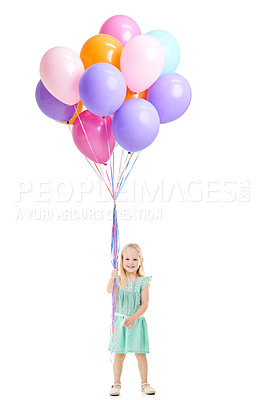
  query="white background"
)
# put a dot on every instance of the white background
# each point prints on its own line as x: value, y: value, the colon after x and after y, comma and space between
x: 206, y: 253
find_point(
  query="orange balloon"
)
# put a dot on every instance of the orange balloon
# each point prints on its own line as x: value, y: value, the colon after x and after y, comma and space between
x: 131, y: 95
x: 101, y: 48
x: 79, y: 109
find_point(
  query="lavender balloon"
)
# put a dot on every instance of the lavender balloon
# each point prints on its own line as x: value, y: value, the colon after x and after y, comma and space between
x: 51, y: 106
x: 136, y: 125
x: 170, y: 95
x: 102, y: 89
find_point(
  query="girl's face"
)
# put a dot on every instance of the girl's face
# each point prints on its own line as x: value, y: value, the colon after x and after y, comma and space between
x: 131, y: 261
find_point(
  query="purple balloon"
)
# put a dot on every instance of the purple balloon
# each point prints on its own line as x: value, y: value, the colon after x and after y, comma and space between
x: 170, y: 95
x: 102, y: 89
x: 51, y: 106
x: 136, y: 124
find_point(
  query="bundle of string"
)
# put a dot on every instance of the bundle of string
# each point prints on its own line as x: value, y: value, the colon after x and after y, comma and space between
x: 114, y: 176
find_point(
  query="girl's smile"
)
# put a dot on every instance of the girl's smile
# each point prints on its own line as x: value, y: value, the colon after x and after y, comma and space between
x: 131, y: 261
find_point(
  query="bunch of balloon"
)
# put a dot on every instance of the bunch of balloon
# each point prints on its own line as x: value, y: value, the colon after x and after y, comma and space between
x: 127, y: 83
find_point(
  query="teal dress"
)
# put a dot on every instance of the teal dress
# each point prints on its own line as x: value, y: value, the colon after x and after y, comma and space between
x: 135, y: 339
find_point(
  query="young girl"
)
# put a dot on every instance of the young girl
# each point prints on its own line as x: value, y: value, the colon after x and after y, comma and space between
x: 131, y: 326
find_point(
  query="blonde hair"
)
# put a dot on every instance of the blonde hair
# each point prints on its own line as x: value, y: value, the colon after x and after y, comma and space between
x: 122, y: 280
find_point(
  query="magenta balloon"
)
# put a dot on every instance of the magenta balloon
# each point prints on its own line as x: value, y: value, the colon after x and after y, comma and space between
x: 93, y: 136
x: 121, y: 27
x: 136, y: 124
x: 171, y: 96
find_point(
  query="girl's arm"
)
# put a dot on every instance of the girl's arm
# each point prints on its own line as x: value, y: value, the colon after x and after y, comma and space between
x: 110, y: 285
x: 144, y: 302
x: 111, y: 280
x: 130, y: 321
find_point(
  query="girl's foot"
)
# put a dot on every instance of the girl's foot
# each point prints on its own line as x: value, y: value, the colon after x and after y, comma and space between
x: 147, y: 389
x: 115, y: 389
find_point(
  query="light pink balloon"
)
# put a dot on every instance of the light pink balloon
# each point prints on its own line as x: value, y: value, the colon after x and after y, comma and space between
x: 142, y: 61
x: 93, y: 136
x: 121, y: 27
x: 61, y: 70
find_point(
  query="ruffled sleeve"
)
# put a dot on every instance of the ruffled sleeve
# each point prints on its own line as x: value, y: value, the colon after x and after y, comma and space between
x: 144, y: 280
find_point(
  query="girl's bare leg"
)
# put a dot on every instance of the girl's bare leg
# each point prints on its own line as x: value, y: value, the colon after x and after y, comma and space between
x: 143, y: 367
x: 117, y: 367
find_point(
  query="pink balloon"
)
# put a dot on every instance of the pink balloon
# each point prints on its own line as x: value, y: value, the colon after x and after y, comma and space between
x: 142, y: 61
x: 61, y: 70
x: 93, y: 136
x: 121, y: 27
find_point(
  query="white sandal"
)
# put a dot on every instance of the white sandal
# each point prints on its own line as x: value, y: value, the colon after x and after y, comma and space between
x: 147, y: 389
x: 115, y: 391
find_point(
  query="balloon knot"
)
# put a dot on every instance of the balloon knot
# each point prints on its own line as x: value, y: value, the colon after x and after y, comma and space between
x: 67, y: 122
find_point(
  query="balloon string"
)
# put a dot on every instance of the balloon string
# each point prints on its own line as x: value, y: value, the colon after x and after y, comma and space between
x: 122, y: 154
x: 108, y: 180
x: 113, y: 176
x: 114, y: 187
x: 85, y: 133
x: 97, y: 166
x: 125, y: 167
x: 95, y: 170
x: 76, y: 112
x: 124, y: 179
x: 111, y: 182
x: 123, y: 163
x: 99, y: 174
x: 115, y: 247
x: 115, y: 244
x: 109, y: 153
x: 109, y: 189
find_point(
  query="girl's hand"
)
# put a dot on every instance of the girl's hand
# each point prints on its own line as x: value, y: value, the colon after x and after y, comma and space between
x: 115, y: 274
x: 130, y: 321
